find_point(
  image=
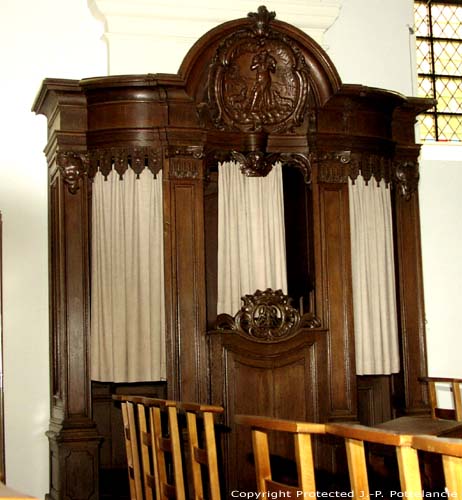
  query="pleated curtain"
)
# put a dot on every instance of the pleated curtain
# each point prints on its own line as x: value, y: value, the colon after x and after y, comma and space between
x: 251, y: 235
x: 373, y: 269
x: 127, y: 288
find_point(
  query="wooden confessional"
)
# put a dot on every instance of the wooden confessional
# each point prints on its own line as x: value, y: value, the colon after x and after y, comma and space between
x: 255, y: 90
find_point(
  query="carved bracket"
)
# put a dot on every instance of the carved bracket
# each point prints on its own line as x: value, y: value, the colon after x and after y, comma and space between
x: 267, y: 317
x: 254, y: 163
x: 407, y: 177
x: 259, y: 164
x: 73, y: 167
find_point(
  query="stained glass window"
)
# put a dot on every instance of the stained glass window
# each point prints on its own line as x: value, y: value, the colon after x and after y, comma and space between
x: 438, y: 30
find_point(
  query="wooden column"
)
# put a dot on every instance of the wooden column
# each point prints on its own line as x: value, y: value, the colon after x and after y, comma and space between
x: 74, y: 441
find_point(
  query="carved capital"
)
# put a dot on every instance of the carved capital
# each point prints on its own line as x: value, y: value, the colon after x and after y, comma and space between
x: 266, y: 317
x: 73, y: 167
x: 184, y: 161
x: 334, y: 166
x: 196, y: 152
x: 407, y: 177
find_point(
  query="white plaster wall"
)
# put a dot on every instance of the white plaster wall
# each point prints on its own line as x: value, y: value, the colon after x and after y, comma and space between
x: 441, y: 223
x: 370, y: 43
x: 49, y: 38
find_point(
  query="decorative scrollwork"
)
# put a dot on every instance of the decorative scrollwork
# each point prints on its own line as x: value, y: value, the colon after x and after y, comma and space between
x: 73, y: 167
x: 258, y: 80
x: 299, y: 160
x: 255, y: 163
x: 339, y: 166
x: 407, y: 177
x: 119, y: 159
x: 266, y: 316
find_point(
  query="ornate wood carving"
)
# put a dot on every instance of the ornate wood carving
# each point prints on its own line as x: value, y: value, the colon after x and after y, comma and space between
x: 407, y: 177
x: 196, y: 152
x: 73, y: 167
x: 253, y: 81
x: 334, y: 166
x: 254, y: 163
x: 259, y: 163
x: 266, y: 316
x: 299, y: 160
x: 258, y: 79
x: 183, y: 161
x: 339, y: 166
x: 120, y: 159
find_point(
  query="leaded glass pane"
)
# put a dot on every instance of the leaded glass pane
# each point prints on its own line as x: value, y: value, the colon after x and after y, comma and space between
x: 426, y: 87
x: 426, y: 127
x: 447, y: 20
x: 424, y: 60
x: 438, y: 29
x: 448, y: 58
x: 449, y: 95
x: 421, y: 21
x: 449, y: 128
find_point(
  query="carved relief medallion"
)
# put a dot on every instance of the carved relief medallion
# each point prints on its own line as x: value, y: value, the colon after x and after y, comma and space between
x: 258, y: 79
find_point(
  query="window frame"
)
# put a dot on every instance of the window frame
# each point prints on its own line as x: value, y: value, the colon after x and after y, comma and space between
x: 433, y: 77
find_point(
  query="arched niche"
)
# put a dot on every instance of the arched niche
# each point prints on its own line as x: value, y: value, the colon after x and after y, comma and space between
x: 324, y: 132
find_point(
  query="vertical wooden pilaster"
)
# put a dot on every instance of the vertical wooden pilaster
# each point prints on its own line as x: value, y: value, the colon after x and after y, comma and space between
x: 409, y: 258
x: 74, y: 440
x: 334, y: 289
x: 411, y: 299
x: 184, y: 274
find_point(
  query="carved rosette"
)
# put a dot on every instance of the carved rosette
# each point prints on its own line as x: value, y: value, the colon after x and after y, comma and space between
x: 73, y: 167
x: 258, y: 80
x: 266, y: 316
x: 120, y: 159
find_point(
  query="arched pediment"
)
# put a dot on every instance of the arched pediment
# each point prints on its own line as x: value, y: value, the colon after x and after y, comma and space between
x: 258, y: 74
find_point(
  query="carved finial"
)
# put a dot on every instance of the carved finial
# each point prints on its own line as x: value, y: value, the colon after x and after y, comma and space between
x: 261, y: 18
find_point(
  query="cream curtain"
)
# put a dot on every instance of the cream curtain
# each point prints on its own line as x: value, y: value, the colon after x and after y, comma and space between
x: 374, y: 292
x: 127, y: 290
x: 251, y: 235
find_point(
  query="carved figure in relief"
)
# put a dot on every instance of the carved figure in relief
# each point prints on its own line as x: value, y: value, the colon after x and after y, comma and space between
x: 258, y: 80
x: 263, y: 64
